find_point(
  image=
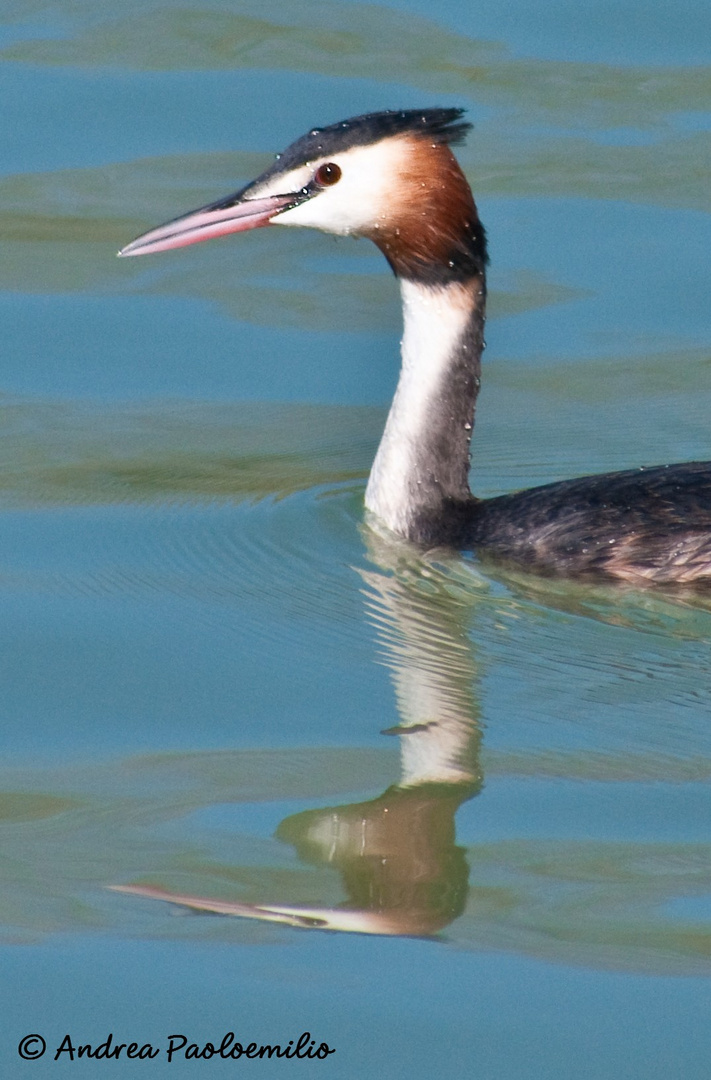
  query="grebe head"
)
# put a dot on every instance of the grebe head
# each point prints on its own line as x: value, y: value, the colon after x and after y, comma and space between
x: 388, y: 176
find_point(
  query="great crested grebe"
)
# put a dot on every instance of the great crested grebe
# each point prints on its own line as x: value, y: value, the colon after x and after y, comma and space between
x: 392, y: 177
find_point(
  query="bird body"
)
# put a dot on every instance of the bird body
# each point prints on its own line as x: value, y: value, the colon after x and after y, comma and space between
x: 392, y: 177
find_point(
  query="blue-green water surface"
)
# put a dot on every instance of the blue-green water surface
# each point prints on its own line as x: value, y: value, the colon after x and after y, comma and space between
x: 218, y: 681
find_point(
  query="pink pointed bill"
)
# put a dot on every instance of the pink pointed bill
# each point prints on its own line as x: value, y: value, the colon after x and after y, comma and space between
x: 218, y: 219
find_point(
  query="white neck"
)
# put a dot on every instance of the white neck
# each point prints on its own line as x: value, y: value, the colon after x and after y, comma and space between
x: 423, y: 457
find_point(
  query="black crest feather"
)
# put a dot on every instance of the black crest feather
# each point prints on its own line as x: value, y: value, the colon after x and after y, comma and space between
x: 438, y: 125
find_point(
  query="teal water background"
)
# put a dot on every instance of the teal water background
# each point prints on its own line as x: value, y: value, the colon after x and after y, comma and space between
x: 201, y: 644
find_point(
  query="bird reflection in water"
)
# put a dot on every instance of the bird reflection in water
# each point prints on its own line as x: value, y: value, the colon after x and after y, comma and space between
x: 400, y: 866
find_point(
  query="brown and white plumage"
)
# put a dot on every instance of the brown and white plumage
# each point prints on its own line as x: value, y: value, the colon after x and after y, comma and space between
x: 392, y: 177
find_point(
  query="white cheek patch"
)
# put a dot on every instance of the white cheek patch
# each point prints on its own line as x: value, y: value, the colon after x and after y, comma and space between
x: 283, y: 183
x: 359, y: 201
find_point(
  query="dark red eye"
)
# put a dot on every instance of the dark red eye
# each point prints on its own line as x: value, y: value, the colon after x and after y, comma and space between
x: 328, y: 174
